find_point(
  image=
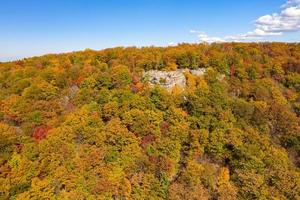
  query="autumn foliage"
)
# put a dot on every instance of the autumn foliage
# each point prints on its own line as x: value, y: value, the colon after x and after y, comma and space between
x: 88, y: 125
x: 40, y: 132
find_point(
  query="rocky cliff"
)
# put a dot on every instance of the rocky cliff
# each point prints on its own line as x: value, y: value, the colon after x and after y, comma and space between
x: 169, y: 79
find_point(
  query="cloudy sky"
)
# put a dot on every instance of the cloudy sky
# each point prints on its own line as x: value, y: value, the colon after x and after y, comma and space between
x: 36, y: 27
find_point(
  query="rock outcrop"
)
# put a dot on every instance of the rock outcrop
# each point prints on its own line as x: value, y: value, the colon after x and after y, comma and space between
x: 65, y: 100
x: 198, y: 72
x: 169, y: 79
x: 166, y: 79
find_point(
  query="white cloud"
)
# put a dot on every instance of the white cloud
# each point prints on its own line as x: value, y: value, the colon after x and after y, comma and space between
x: 291, y: 12
x: 203, y: 37
x: 171, y: 44
x: 290, y: 3
x: 193, y: 31
x: 276, y: 24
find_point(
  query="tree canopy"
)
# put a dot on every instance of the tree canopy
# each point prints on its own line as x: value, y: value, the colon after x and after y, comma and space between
x: 86, y: 125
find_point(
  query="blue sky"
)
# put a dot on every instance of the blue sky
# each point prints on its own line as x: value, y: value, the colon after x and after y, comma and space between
x: 36, y: 27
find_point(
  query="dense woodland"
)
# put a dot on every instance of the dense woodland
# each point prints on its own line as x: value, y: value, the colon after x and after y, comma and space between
x: 86, y: 125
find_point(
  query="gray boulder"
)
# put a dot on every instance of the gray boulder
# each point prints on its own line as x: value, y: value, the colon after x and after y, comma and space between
x: 169, y: 79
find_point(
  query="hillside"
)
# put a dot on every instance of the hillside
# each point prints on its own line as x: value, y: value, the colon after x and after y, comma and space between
x: 88, y: 125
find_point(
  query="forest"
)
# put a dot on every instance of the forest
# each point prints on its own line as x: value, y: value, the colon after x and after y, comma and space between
x: 86, y: 125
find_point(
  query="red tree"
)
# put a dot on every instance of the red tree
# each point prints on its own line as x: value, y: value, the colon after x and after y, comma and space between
x: 40, y: 132
x: 232, y: 70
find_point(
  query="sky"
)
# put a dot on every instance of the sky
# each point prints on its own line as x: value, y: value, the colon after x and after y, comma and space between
x: 37, y: 27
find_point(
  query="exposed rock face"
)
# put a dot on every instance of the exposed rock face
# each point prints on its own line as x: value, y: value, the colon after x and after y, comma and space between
x: 198, y: 72
x: 169, y: 79
x: 65, y: 100
x: 18, y: 129
x: 72, y: 91
x: 166, y: 79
